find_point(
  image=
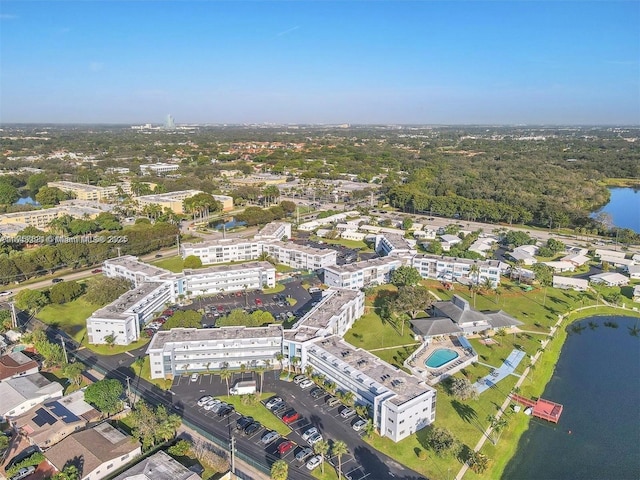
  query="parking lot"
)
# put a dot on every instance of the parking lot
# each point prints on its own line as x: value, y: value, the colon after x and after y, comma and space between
x: 361, y: 461
x: 275, y: 303
x: 345, y: 255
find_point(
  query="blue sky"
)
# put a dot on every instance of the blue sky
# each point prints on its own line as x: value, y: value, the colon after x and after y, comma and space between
x: 428, y: 62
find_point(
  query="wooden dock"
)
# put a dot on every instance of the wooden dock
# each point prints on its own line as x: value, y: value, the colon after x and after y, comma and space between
x: 541, y: 408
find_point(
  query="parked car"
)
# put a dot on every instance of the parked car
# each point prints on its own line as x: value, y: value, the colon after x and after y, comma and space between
x: 6, y: 293
x: 194, y: 377
x: 244, y: 422
x: 270, y: 436
x: 334, y: 401
x: 252, y: 428
x: 273, y: 401
x: 226, y: 411
x: 204, y: 400
x: 291, y: 417
x: 258, y: 302
x: 216, y: 408
x: 158, y: 255
x: 347, y: 412
x: 285, y: 447
x: 27, y: 452
x: 96, y: 270
x: 211, y: 404
x: 359, y: 424
x: 303, y: 454
x: 310, y: 433
x: 315, y: 439
x: 316, y: 392
x: 314, y: 462
x: 57, y: 280
x: 305, y: 384
x: 299, y: 378
x: 24, y: 472
x: 168, y: 312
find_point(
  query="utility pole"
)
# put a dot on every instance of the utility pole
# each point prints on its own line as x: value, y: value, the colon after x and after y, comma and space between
x: 118, y: 248
x: 14, y: 316
x: 64, y: 349
x: 129, y: 391
x: 233, y: 456
x: 178, y: 242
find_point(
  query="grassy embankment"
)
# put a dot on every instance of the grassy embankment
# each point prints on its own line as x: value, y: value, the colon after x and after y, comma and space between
x: 467, y: 420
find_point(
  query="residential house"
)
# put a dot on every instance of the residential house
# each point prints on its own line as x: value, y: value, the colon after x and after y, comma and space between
x: 449, y: 241
x: 18, y: 395
x: 634, y: 271
x: 17, y: 364
x: 570, y: 283
x: 636, y: 293
x: 577, y: 259
x: 51, y: 422
x: 393, y: 244
x: 525, y: 254
x: 610, y: 279
x: 159, y: 466
x: 97, y: 452
x: 560, y: 266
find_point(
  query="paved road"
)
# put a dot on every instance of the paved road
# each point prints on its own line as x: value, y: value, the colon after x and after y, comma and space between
x: 363, y: 461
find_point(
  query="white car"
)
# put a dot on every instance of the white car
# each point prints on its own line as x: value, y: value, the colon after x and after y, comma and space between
x: 315, y: 439
x: 272, y: 402
x: 211, y: 404
x: 204, y: 400
x: 24, y: 472
x: 314, y: 462
x: 310, y: 433
x: 298, y: 378
x: 6, y: 293
x: 347, y: 412
x: 359, y: 424
x: 194, y: 377
x: 305, y: 383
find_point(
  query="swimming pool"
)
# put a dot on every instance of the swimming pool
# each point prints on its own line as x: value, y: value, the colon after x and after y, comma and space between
x: 440, y: 357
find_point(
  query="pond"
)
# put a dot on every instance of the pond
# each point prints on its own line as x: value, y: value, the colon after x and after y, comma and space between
x: 624, y: 208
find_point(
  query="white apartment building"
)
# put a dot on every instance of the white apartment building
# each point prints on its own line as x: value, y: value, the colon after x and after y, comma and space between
x: 158, y: 168
x: 449, y: 269
x: 393, y: 244
x: 376, y: 271
x: 230, y: 278
x: 94, y: 193
x: 182, y: 350
x: 335, y: 313
x: 132, y: 269
x: 274, y: 231
x: 174, y: 201
x: 234, y: 250
x: 401, y: 404
x: 42, y: 218
x: 321, y: 222
x: 124, y: 317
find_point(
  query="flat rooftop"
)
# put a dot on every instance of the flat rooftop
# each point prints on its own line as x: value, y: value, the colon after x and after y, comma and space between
x: 369, y: 370
x: 132, y: 264
x: 331, y: 304
x: 169, y: 196
x: 118, y: 307
x: 163, y: 339
x: 397, y: 241
x: 270, y: 229
x: 229, y: 268
x: 301, y: 248
x: 357, y: 266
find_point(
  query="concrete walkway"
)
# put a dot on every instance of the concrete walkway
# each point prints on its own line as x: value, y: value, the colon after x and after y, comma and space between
x: 503, y: 371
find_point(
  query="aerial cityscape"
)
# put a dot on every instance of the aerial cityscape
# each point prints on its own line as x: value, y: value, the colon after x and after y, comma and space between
x: 296, y: 240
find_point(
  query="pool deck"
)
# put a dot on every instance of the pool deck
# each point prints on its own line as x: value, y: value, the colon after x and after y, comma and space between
x: 503, y: 371
x: 416, y: 362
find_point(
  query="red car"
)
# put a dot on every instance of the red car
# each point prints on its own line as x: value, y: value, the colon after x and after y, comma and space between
x: 258, y: 302
x: 285, y: 447
x: 97, y: 270
x: 168, y: 312
x: 290, y: 418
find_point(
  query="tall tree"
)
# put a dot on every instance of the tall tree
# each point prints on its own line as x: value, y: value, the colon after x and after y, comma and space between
x: 338, y: 449
x: 105, y: 395
x: 280, y: 470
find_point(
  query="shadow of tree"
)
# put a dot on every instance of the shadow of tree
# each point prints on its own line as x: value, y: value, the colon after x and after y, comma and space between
x: 465, y: 412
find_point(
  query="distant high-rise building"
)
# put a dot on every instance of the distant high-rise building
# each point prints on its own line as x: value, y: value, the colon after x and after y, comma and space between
x: 169, y: 124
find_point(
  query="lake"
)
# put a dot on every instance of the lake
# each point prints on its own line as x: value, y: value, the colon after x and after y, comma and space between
x: 624, y: 208
x: 597, y: 379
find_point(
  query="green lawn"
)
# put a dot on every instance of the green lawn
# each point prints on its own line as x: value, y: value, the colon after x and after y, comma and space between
x: 355, y: 244
x: 466, y: 420
x: 277, y: 289
x: 70, y: 317
x: 173, y: 264
x: 259, y: 413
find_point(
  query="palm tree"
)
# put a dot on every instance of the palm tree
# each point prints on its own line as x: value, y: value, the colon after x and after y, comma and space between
x: 295, y: 361
x: 321, y: 448
x: 369, y: 428
x: 349, y: 398
x: 308, y: 370
x: 243, y: 368
x: 225, y: 374
x: 208, y: 367
x: 280, y: 358
x: 338, y: 449
x: 474, y: 269
x: 279, y: 470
